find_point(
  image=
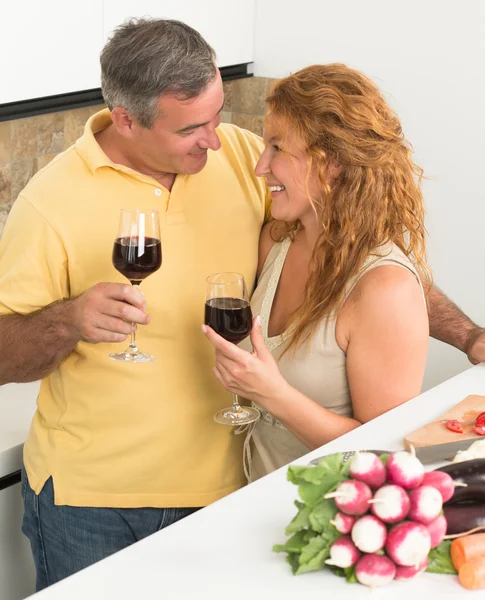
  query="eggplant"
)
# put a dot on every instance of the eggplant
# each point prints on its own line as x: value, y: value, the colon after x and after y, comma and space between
x: 463, y: 516
x: 471, y: 472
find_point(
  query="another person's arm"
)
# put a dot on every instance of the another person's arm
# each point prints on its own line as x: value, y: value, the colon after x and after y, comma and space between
x: 447, y: 323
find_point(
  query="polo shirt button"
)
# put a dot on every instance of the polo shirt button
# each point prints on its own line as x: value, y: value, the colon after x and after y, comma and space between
x: 158, y: 192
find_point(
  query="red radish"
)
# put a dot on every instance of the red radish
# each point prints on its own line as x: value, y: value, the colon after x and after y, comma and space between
x: 343, y: 523
x: 406, y: 573
x: 405, y: 469
x: 369, y: 468
x: 426, y: 504
x: 390, y: 503
x: 369, y: 534
x: 343, y: 553
x: 375, y: 570
x: 352, y: 497
x: 437, y: 530
x: 442, y: 481
x: 408, y: 543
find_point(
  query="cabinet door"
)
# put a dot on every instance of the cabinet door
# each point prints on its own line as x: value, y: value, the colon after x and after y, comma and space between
x: 226, y: 24
x: 17, y: 572
x: 48, y: 48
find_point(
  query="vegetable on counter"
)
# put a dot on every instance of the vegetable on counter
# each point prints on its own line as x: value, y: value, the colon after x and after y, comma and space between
x: 363, y: 531
x: 467, y: 548
x: 468, y: 556
x: 442, y: 481
x: 391, y: 503
x: 369, y: 468
x: 405, y: 469
x: 469, y: 478
x: 408, y: 543
x: 375, y: 570
x: 369, y: 534
x: 426, y: 504
x: 437, y: 530
x: 463, y: 517
x: 476, y: 450
x: 454, y: 425
x: 343, y: 553
x: 472, y: 574
x: 352, y: 497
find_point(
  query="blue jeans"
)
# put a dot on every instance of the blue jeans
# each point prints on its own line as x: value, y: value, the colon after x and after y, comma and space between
x: 66, y: 539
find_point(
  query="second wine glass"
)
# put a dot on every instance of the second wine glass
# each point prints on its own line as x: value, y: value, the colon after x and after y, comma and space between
x: 228, y: 313
x: 137, y: 253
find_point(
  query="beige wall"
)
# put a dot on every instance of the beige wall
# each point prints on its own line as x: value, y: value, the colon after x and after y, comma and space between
x: 27, y: 145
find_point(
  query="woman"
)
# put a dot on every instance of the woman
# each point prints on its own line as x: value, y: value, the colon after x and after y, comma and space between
x: 343, y: 329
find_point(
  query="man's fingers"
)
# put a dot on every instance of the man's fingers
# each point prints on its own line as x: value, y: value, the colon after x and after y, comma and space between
x: 113, y: 325
x: 124, y: 293
x: 124, y: 311
x: 109, y: 337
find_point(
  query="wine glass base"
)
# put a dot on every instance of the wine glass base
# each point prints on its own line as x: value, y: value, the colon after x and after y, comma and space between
x: 244, y: 416
x: 132, y: 357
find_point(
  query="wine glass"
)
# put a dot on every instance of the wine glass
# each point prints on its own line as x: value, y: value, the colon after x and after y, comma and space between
x: 137, y: 253
x: 228, y: 312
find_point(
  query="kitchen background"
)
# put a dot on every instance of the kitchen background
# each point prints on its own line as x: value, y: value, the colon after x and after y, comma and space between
x: 428, y: 56
x: 27, y: 145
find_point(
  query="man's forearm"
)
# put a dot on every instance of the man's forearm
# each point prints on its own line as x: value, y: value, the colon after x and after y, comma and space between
x: 31, y: 346
x: 448, y: 323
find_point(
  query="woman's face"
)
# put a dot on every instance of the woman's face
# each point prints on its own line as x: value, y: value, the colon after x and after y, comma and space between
x: 285, y: 167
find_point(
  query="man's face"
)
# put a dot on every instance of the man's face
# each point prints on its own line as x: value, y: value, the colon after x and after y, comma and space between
x: 180, y: 138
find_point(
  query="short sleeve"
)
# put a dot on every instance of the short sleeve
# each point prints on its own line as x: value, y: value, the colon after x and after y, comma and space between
x: 33, y: 261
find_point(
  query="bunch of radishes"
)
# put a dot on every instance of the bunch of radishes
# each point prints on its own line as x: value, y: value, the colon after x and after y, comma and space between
x: 406, y: 520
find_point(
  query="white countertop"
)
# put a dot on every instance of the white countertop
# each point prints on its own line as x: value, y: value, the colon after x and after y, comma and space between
x: 17, y: 407
x: 224, y: 550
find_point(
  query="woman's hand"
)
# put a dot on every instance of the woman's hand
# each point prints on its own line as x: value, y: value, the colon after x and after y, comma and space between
x: 254, y: 376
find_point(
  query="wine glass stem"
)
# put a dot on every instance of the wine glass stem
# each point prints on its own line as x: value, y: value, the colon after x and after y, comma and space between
x: 133, y: 338
x: 235, y: 404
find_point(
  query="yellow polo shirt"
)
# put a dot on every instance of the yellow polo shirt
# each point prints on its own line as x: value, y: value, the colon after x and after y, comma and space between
x: 134, y: 435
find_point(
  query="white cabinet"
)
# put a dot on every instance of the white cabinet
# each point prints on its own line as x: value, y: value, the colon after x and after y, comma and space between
x: 49, y: 47
x: 17, y: 572
x: 228, y: 25
x: 52, y: 47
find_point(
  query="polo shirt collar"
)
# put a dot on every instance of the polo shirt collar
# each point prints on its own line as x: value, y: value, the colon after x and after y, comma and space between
x: 87, y: 146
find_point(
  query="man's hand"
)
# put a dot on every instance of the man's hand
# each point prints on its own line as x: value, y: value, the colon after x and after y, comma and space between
x: 475, y: 346
x: 105, y: 312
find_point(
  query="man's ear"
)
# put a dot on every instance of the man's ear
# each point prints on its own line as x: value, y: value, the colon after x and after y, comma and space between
x: 123, y: 121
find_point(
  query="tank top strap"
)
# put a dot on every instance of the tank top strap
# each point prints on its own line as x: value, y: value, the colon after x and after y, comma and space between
x: 389, y: 254
x: 273, y: 342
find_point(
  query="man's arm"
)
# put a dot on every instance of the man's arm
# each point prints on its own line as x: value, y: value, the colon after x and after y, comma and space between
x: 33, y: 345
x: 449, y: 324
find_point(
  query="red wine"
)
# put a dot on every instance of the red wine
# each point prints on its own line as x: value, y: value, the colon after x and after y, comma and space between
x: 231, y: 318
x: 136, y: 262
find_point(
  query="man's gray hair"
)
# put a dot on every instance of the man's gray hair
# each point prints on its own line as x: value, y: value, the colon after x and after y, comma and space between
x: 146, y: 58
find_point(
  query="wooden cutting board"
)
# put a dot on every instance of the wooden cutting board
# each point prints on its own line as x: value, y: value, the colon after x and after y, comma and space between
x: 436, y: 432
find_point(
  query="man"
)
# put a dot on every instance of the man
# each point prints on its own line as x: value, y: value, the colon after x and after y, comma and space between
x: 110, y: 437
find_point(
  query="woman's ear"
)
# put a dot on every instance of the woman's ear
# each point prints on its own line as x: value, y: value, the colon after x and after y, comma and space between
x: 333, y: 170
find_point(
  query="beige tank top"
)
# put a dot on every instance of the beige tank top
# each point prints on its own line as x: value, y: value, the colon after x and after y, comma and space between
x: 317, y: 368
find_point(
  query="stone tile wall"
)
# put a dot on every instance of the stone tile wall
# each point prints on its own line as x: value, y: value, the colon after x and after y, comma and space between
x: 27, y: 145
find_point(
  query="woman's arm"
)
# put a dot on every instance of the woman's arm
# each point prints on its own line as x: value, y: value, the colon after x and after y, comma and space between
x: 384, y: 330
